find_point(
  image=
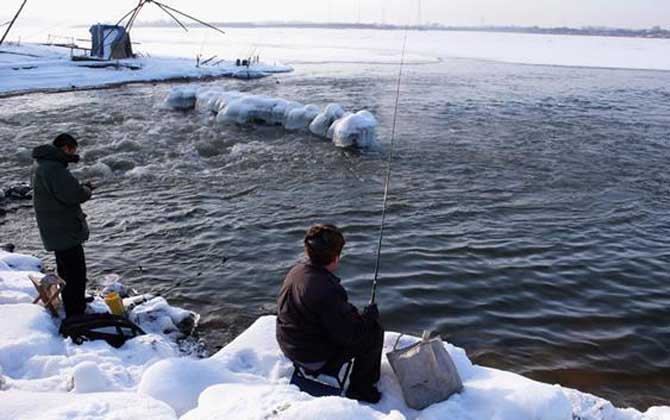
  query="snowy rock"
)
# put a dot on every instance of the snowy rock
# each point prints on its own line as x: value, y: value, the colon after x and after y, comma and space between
x: 354, y: 130
x: 156, y: 315
x: 19, y: 262
x: 19, y: 192
x: 181, y: 98
x: 319, y: 127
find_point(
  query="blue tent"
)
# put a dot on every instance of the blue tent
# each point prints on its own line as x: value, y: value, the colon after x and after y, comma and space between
x: 110, y: 42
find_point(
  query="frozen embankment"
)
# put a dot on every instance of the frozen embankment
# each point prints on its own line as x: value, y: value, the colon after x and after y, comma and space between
x: 43, y: 376
x: 30, y: 68
x: 345, y: 129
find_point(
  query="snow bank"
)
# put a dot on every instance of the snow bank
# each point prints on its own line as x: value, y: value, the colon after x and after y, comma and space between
x: 20, y: 262
x: 345, y: 129
x: 31, y: 67
x: 43, y: 375
x: 20, y: 405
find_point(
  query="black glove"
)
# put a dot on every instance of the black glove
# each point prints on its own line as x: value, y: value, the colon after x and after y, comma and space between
x: 371, y: 312
x: 89, y: 186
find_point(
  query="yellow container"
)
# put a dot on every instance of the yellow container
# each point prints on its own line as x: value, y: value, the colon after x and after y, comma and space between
x: 113, y: 300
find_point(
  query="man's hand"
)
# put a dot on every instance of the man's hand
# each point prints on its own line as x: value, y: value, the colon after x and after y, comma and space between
x: 89, y: 185
x: 371, y: 312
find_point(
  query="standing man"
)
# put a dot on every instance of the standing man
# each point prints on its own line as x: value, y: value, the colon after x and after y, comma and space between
x: 57, y: 198
x: 318, y: 328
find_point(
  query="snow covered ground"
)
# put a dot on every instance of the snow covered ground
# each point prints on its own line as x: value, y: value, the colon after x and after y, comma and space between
x: 32, y: 67
x: 43, y: 376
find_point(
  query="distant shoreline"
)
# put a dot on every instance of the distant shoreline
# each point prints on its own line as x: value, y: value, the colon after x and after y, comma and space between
x: 652, y: 33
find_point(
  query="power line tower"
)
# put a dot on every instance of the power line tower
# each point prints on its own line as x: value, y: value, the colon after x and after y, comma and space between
x: 418, y: 14
x: 383, y: 12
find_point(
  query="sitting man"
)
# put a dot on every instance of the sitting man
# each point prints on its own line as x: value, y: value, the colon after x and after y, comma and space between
x: 318, y: 328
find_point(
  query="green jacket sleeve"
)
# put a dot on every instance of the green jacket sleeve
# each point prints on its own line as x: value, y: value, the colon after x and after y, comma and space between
x: 67, y: 189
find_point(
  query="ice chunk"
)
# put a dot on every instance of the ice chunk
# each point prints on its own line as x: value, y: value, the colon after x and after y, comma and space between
x: 300, y: 117
x: 248, y: 108
x: 323, y: 121
x: 181, y: 98
x: 205, y: 99
x: 97, y: 170
x: 357, y: 130
x: 249, y: 74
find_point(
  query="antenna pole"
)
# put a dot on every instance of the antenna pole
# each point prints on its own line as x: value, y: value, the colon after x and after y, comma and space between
x: 12, y: 22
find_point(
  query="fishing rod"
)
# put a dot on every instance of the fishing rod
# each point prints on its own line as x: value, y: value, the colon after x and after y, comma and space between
x: 388, y: 171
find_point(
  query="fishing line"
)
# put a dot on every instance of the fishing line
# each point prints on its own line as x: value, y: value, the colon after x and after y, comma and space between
x: 388, y: 171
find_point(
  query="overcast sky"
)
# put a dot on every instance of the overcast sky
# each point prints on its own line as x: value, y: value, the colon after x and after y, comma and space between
x: 619, y: 13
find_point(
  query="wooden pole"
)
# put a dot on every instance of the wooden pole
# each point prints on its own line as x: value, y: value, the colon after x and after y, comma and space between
x: 12, y: 22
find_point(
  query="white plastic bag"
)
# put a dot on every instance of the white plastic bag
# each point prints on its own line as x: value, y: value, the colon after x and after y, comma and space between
x: 425, y: 371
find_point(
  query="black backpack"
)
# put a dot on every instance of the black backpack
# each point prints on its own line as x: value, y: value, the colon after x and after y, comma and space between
x: 114, y: 329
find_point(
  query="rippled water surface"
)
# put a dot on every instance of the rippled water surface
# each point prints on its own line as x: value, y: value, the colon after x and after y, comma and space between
x: 528, y: 222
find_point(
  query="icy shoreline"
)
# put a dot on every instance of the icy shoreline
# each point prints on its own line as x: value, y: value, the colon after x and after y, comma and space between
x: 149, y: 377
x: 30, y: 68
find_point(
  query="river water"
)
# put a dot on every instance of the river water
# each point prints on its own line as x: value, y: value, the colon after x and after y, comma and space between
x: 528, y: 219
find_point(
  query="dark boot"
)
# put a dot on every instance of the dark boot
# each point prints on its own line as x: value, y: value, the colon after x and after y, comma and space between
x: 370, y: 395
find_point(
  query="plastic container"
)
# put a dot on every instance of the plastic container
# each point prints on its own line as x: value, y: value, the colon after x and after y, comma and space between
x: 113, y: 300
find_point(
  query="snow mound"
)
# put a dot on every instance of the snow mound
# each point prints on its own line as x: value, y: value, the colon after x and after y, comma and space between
x: 277, y: 402
x: 19, y: 262
x: 30, y: 333
x: 21, y: 405
x: 345, y: 129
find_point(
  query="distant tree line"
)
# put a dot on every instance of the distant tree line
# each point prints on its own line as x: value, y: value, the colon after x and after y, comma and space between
x: 654, y: 32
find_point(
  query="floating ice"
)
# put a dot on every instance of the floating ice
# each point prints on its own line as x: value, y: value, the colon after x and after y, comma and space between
x: 247, y: 109
x: 319, y: 127
x: 181, y: 98
x: 354, y: 130
x: 357, y: 130
x: 300, y: 117
x: 97, y: 170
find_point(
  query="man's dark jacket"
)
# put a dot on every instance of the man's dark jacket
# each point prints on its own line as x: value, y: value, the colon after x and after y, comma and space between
x: 57, y: 198
x: 314, y: 316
